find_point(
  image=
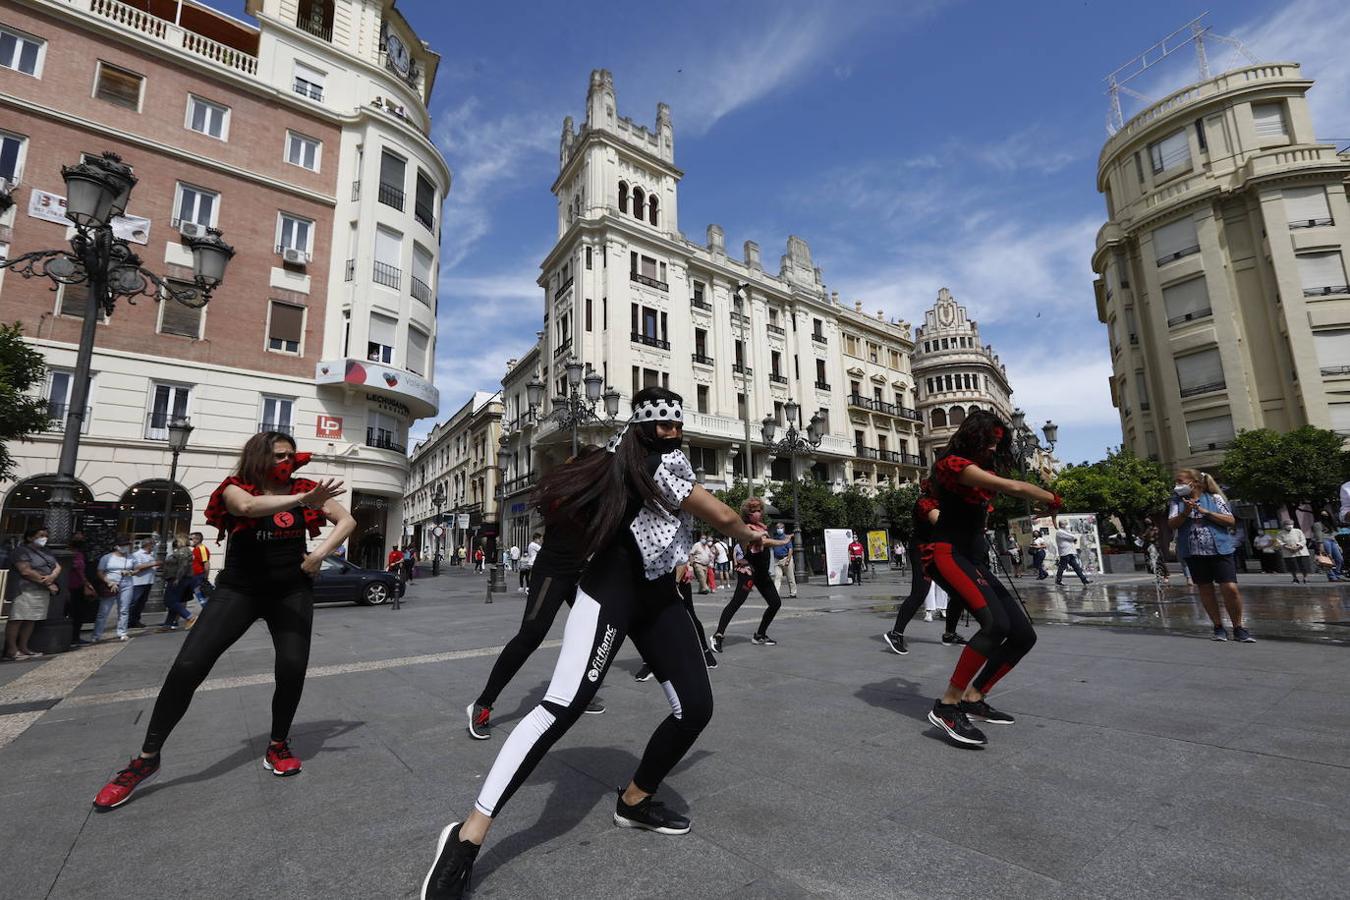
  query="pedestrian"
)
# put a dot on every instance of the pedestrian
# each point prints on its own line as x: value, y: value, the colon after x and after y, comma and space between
x: 514, y: 554
x: 1155, y: 557
x: 83, y: 596
x: 33, y: 574
x: 1324, y: 536
x: 267, y: 575
x: 201, y: 570
x: 723, y: 561
x: 1038, y: 550
x: 527, y: 561
x: 700, y: 559
x: 409, y: 563
x: 177, y: 578
x: 1266, y: 545
x: 478, y: 560
x: 783, y: 563
x: 143, y: 581
x: 633, y: 506
x: 898, y: 556
x: 856, y: 554
x: 393, y: 563
x: 118, y: 570
x: 1066, y: 542
x: 965, y: 483
x: 924, y: 515
x: 1294, y: 550
x: 752, y: 570
x: 1015, y: 556
x: 1203, y: 522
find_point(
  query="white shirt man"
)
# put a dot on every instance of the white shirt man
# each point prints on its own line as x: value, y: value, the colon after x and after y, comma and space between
x: 1067, y: 544
x: 700, y: 557
x: 515, y: 556
x: 531, y: 552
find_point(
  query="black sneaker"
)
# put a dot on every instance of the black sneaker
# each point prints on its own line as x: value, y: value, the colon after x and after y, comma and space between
x: 710, y: 659
x: 595, y: 708
x: 763, y: 640
x: 950, y: 718
x: 953, y: 639
x: 1243, y: 636
x: 651, y: 815
x: 449, y: 876
x: 1220, y: 633
x: 716, y: 643
x: 480, y: 725
x: 644, y: 673
x: 896, y: 641
x: 982, y: 711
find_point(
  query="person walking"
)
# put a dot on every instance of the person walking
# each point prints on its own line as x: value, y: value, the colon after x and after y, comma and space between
x: 527, y: 561
x: 783, y: 562
x: 514, y: 554
x: 634, y: 506
x: 118, y: 570
x: 1156, y: 560
x: 268, y: 575
x: 82, y: 595
x: 1199, y: 515
x: 33, y: 575
x: 723, y: 562
x: 856, y: 555
x: 700, y: 559
x: 1038, y: 551
x: 752, y: 569
x: 143, y: 580
x: 1294, y: 550
x: 177, y: 577
x: 924, y: 516
x: 1067, y: 544
x: 898, y: 556
x: 478, y: 557
x: 201, y: 569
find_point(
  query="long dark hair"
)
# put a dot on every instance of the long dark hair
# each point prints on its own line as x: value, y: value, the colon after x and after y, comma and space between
x: 980, y: 429
x: 255, y: 460
x: 595, y: 489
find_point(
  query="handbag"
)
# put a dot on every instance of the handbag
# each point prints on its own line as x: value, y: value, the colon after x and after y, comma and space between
x: 1325, y: 562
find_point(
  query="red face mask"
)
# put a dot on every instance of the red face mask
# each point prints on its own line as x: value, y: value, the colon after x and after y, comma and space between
x: 282, y: 471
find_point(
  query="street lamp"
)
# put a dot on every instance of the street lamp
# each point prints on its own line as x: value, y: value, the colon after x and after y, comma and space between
x: 496, y: 580
x: 577, y: 407
x: 438, y: 500
x: 794, y: 444
x: 97, y: 191
x: 739, y: 296
x: 1025, y: 443
x: 180, y: 429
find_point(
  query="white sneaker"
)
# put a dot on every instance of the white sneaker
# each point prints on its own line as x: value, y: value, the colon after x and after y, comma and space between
x: 123, y: 637
x: 928, y: 615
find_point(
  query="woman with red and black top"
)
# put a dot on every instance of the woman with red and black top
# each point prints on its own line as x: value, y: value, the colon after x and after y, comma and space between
x: 925, y: 516
x: 964, y: 483
x: 269, y: 575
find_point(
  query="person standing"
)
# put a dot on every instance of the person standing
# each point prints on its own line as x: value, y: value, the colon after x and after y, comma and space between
x: 33, y: 574
x: 1294, y: 549
x: 201, y: 569
x: 1199, y: 515
x: 527, y: 561
x: 898, y: 556
x: 723, y: 561
x: 268, y: 575
x: 783, y: 563
x: 1156, y: 560
x: 118, y: 571
x: 177, y: 578
x: 924, y: 516
x: 514, y: 554
x: 393, y: 563
x: 144, y: 579
x: 856, y: 553
x: 1324, y: 536
x: 700, y: 558
x: 1015, y: 556
x: 1038, y: 557
x: 1270, y: 553
x: 83, y: 597
x: 478, y: 559
x: 752, y: 570
x: 1067, y: 544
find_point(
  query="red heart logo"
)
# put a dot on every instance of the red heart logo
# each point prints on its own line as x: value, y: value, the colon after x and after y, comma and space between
x: 391, y: 378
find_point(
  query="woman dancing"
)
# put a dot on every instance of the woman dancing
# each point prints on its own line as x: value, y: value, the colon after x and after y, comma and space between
x: 964, y: 483
x: 752, y: 570
x: 268, y: 576
x: 633, y: 505
x: 925, y: 516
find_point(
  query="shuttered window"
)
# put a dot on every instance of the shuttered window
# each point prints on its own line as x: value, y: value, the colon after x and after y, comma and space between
x: 1200, y: 373
x: 1210, y: 434
x: 1322, y: 273
x: 1306, y: 207
x: 118, y: 87
x: 1131, y: 325
x: 417, y: 351
x: 1172, y: 152
x: 380, y: 344
x: 1175, y: 240
x: 1141, y: 388
x: 1340, y: 417
x: 1269, y: 119
x: 1186, y: 301
x: 1333, y: 350
x: 285, y: 327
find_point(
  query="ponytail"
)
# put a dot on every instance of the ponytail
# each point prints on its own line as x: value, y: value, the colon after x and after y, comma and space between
x: 1206, y: 482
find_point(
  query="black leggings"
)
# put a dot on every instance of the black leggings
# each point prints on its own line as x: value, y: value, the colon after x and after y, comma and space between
x: 744, y: 583
x: 548, y: 593
x: 919, y: 585
x: 230, y: 613
x: 687, y: 596
x: 610, y: 606
x: 1005, y: 634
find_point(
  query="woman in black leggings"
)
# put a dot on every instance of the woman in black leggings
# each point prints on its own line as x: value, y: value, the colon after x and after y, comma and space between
x: 925, y: 515
x: 634, y: 506
x: 964, y: 484
x: 267, y: 575
x: 753, y: 571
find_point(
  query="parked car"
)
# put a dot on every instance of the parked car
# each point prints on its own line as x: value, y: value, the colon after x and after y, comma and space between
x: 339, y: 581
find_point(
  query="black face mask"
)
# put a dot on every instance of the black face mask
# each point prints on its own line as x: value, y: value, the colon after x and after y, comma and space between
x: 666, y: 445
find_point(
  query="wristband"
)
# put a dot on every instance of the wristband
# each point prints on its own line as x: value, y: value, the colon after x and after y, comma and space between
x: 1056, y: 503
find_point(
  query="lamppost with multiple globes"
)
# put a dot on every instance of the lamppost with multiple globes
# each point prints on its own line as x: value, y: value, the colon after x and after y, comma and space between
x: 1025, y: 443
x: 437, y: 500
x: 793, y: 445
x: 180, y: 429
x: 577, y: 407
x: 496, y: 579
x: 97, y: 192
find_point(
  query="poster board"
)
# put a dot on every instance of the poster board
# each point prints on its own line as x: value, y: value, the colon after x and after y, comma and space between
x: 836, y: 554
x: 1084, y: 525
x: 878, y: 546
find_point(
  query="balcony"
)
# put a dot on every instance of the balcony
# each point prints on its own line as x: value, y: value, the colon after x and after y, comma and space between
x: 1335, y: 370
x: 425, y: 216
x: 387, y: 275
x: 739, y: 318
x: 819, y: 338
x: 1213, y: 445
x: 822, y: 385
x: 866, y: 452
x: 910, y: 459
x: 649, y: 341
x: 350, y: 273
x: 383, y: 441
x: 307, y: 89
x: 1197, y: 389
x: 562, y: 348
x: 741, y: 369
x: 319, y: 26
x: 872, y: 404
x: 166, y: 32
x: 421, y: 290
x: 777, y: 379
x: 702, y: 359
x: 563, y: 288
x: 1326, y: 290
x: 520, y: 483
x: 59, y: 413
x: 775, y: 329
x: 279, y: 427
x: 391, y: 196
x: 700, y: 303
x: 649, y: 282
x: 1194, y: 316
x: 906, y: 413
x: 890, y: 456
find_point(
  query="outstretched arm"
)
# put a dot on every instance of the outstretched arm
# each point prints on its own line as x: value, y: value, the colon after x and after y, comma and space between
x: 974, y: 476
x: 705, y: 506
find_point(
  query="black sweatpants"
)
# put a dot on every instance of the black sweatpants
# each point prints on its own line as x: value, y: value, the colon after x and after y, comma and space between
x: 760, y: 579
x: 549, y: 590
x: 230, y: 613
x: 919, y: 585
x: 610, y: 605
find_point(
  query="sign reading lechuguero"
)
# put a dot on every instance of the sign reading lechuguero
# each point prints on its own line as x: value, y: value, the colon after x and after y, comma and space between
x: 420, y: 395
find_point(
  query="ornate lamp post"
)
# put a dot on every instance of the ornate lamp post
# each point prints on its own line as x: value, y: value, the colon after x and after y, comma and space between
x: 496, y: 580
x: 97, y: 191
x: 578, y: 406
x: 438, y: 500
x: 1025, y: 443
x: 180, y: 429
x: 794, y: 444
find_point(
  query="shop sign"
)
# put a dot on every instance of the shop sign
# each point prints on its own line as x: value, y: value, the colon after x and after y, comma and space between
x: 392, y: 406
x: 52, y: 208
x: 326, y: 426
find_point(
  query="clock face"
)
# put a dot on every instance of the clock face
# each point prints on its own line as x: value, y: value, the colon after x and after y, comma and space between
x: 398, y: 54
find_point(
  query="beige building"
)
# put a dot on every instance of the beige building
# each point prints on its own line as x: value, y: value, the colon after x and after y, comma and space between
x: 1222, y: 275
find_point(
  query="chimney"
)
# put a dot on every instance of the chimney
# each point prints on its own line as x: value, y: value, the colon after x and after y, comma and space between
x: 752, y: 255
x: 717, y: 240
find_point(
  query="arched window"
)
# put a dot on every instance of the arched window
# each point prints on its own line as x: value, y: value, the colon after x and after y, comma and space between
x: 141, y: 510
x: 973, y: 409
x: 651, y: 209
x: 639, y: 201
x: 623, y: 196
x: 958, y: 415
x: 939, y: 418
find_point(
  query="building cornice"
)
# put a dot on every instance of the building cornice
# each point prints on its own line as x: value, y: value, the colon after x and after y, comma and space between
x: 605, y: 137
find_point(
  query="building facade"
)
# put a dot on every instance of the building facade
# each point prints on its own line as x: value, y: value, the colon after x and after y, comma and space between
x: 955, y: 373
x: 1221, y: 267
x: 280, y: 134
x: 630, y: 297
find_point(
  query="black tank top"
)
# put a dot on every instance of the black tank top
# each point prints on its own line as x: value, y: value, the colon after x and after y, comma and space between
x: 923, y: 529
x: 962, y: 510
x: 267, y: 556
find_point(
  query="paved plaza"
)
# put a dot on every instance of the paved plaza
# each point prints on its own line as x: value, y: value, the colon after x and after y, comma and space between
x: 1147, y: 761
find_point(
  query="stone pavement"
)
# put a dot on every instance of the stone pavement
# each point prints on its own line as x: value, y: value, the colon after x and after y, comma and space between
x: 1142, y: 764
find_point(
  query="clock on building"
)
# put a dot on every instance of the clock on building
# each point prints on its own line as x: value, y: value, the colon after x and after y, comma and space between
x: 397, y: 53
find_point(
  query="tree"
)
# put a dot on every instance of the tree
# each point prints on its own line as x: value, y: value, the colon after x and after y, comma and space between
x: 21, y: 414
x: 1006, y: 507
x: 897, y: 506
x: 1122, y: 485
x: 1301, y: 466
x: 735, y: 495
x: 857, y: 510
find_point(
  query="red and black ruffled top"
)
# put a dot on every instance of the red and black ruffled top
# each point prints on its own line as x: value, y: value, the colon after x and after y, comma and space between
x: 923, y: 529
x: 963, y: 510
x: 219, y: 515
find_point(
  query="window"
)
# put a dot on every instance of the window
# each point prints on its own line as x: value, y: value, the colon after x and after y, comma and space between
x: 701, y: 342
x: 380, y: 342
x: 1175, y: 240
x: 859, y: 439
x: 817, y: 329
x: 1200, y: 373
x: 1172, y: 152
x: 939, y: 418
x: 179, y: 318
x: 277, y: 414
x: 775, y: 363
x: 588, y: 314
x: 637, y: 379
x: 208, y: 118
x: 1139, y: 167
x: 196, y: 206
x: 1306, y: 207
x: 588, y: 259
x: 778, y: 413
x: 11, y: 157
x: 295, y: 233
x: 388, y: 258
x: 417, y: 351
x: 308, y: 82
x: 118, y: 87
x: 1211, y: 433
x: 1141, y: 388
x: 704, y: 458
x: 648, y: 269
x: 1200, y: 134
x: 285, y: 327
x: 854, y: 387
x: 652, y: 208
x: 421, y: 274
x: 740, y: 353
x: 1186, y: 301
x: 824, y: 420
x: 851, y: 345
x: 871, y: 352
x: 20, y: 52
x: 956, y: 416
x: 302, y: 151
x: 73, y: 301
x: 1333, y: 350
x: 623, y: 196
x: 740, y: 406
x: 820, y: 372
x: 393, y: 174
x: 876, y: 396
x: 168, y: 402
x: 1269, y: 120
x: 424, y: 205
x: 58, y: 398
x: 1322, y: 273
x: 1131, y: 326
x: 702, y: 394
x: 383, y: 430
x: 651, y: 378
x: 639, y: 201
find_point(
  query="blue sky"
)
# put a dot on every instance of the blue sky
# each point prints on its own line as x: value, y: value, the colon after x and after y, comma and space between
x: 914, y: 144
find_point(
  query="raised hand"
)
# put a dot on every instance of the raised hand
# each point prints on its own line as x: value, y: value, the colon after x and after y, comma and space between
x: 322, y: 492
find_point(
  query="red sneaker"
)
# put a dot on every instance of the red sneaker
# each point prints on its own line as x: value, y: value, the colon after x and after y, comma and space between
x: 119, y: 790
x: 279, y: 760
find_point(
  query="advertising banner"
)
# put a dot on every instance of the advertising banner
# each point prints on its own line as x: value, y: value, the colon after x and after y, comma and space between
x: 836, y: 554
x: 878, y: 546
x: 1083, y: 526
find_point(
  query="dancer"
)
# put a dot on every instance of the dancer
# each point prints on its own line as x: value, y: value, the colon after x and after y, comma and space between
x: 964, y: 483
x: 267, y: 575
x: 753, y: 571
x: 633, y: 507
x: 924, y: 515
x: 684, y: 579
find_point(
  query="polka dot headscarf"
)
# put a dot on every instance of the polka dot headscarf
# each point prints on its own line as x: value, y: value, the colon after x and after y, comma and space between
x: 649, y: 411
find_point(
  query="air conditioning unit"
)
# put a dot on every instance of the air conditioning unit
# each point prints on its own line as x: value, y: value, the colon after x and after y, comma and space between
x: 295, y: 256
x: 191, y: 229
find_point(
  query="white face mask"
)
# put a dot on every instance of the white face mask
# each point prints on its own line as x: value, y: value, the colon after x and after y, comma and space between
x: 123, y: 548
x: 1181, y: 490
x: 39, y: 542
